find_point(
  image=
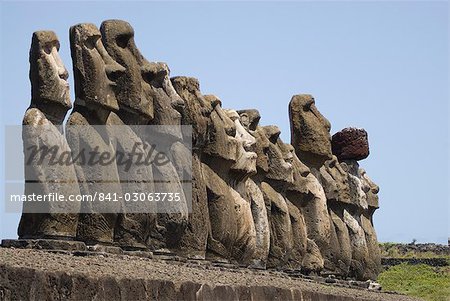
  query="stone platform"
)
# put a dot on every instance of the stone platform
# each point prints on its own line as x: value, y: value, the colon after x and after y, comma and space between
x: 30, y: 274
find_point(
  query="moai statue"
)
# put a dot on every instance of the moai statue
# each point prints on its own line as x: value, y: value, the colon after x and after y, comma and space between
x: 250, y: 121
x: 172, y: 218
x: 42, y: 128
x: 310, y: 137
x: 351, y: 145
x: 310, y: 131
x: 334, y: 180
x: 241, y: 171
x: 225, y: 165
x: 277, y: 178
x: 133, y: 230
x: 95, y: 73
x: 195, y: 112
x: 371, y: 190
x: 297, y: 195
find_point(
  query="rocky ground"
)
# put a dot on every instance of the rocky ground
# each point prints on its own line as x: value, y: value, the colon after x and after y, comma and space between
x: 22, y: 263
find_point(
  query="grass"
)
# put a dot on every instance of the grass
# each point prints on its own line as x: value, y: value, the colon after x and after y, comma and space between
x: 423, y: 281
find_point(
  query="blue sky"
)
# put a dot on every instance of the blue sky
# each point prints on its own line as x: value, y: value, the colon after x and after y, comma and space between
x: 383, y: 66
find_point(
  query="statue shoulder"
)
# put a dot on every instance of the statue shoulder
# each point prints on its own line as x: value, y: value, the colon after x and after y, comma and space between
x: 34, y: 117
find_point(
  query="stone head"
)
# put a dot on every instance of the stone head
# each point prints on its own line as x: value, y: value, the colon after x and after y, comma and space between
x: 94, y: 70
x: 335, y: 181
x: 297, y: 191
x: 196, y: 110
x: 310, y: 131
x: 246, y: 159
x: 118, y: 39
x: 48, y: 75
x: 279, y: 171
x: 291, y: 157
x: 166, y: 102
x: 370, y: 188
x: 221, y: 136
x: 250, y: 120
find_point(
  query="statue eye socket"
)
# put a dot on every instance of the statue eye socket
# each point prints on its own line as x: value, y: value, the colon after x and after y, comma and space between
x: 48, y: 48
x: 231, y: 131
x: 90, y: 42
x: 122, y: 41
x: 307, y: 106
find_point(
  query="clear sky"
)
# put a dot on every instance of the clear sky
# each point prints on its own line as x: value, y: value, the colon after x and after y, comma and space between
x: 383, y: 66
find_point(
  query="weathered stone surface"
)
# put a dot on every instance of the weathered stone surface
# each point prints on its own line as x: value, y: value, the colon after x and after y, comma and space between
x: 249, y: 118
x: 344, y: 252
x: 256, y: 201
x: 44, y: 244
x: 374, y: 260
x: 118, y: 38
x: 350, y: 144
x: 33, y: 275
x: 134, y: 230
x: 281, y: 239
x: 245, y: 165
x: 360, y: 253
x: 371, y: 189
x: 172, y: 219
x: 260, y: 219
x: 299, y: 235
x: 316, y: 214
x: 334, y: 180
x: 42, y: 128
x: 48, y: 76
x: 231, y: 166
x: 166, y: 101
x: 195, y: 112
x: 310, y: 131
x: 313, y: 260
x: 94, y: 72
x: 277, y: 178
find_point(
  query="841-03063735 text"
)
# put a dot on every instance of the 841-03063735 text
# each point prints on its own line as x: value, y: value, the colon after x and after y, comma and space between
x: 101, y: 197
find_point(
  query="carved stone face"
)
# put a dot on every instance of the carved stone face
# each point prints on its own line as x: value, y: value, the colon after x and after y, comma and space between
x: 196, y: 110
x: 299, y: 169
x: 357, y: 194
x: 118, y: 38
x: 335, y: 181
x: 250, y: 121
x: 370, y: 188
x: 95, y: 71
x: 165, y: 100
x: 279, y: 169
x: 48, y: 75
x: 222, y: 141
x: 246, y: 159
x: 249, y: 118
x: 310, y: 131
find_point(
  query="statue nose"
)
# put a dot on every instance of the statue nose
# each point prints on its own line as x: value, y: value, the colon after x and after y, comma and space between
x: 63, y: 74
x: 113, y: 72
x: 376, y: 189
